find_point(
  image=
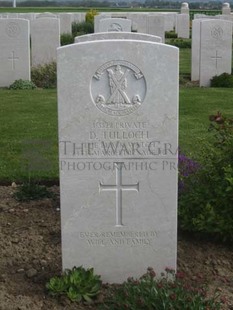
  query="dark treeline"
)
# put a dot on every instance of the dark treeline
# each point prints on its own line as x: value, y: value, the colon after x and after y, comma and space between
x: 213, y: 5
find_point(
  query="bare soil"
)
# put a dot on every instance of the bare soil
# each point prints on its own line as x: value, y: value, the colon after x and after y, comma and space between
x: 31, y: 254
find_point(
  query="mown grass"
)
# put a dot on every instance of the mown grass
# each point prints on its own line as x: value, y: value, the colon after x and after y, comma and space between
x: 185, y: 61
x: 28, y: 127
x: 196, y: 104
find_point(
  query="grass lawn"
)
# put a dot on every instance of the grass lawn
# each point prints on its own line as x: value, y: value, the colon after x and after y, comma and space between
x: 196, y: 104
x: 28, y: 127
x: 185, y: 61
x: 28, y: 123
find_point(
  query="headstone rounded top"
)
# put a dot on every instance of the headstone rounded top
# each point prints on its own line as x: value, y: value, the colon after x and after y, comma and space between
x: 225, y: 5
x: 185, y: 5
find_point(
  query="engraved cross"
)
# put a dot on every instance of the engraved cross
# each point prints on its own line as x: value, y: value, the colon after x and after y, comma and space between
x: 119, y: 188
x: 216, y: 57
x: 13, y: 58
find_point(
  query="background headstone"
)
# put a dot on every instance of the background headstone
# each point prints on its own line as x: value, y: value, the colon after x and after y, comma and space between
x: 140, y: 22
x: 195, y: 52
x: 215, y: 49
x: 226, y: 9
x: 115, y: 25
x: 65, y: 22
x: 156, y: 26
x: 117, y: 35
x: 170, y: 21
x: 182, y: 26
x: 15, y: 51
x: 98, y: 18
x: 78, y: 17
x: 45, y: 14
x: 118, y: 120
x: 184, y: 8
x: 45, y: 39
x: 28, y: 16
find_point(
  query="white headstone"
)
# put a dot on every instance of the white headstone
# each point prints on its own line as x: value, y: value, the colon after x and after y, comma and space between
x: 98, y: 18
x: 115, y: 25
x: 156, y: 26
x: 170, y: 21
x: 13, y: 15
x: 45, y: 14
x: 118, y: 120
x: 117, y: 35
x: 182, y: 26
x: 216, y: 49
x: 226, y: 9
x: 15, y: 51
x: 45, y: 39
x: 65, y: 22
x: 140, y: 22
x: 4, y: 15
x: 203, y: 16
x: 28, y: 16
x: 184, y: 8
x: 78, y: 17
x: 195, y: 53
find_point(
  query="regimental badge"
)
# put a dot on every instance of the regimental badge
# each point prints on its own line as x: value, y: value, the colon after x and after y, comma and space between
x: 12, y: 29
x: 115, y: 27
x: 118, y: 88
x: 217, y: 32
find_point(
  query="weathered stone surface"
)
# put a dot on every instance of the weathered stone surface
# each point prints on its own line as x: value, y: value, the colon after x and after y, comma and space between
x: 45, y: 39
x: 118, y: 120
x: 115, y: 25
x: 215, y: 49
x: 117, y: 35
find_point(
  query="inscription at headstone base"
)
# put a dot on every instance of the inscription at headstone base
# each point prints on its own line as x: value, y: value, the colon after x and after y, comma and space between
x: 118, y: 120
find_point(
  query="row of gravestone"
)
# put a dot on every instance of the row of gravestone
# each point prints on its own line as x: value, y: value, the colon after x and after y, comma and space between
x: 153, y: 23
x: 211, y: 46
x: 16, y: 55
x: 149, y: 23
x: 15, y: 35
x: 66, y: 19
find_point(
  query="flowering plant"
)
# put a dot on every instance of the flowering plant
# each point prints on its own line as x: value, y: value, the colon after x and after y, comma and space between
x: 167, y: 292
